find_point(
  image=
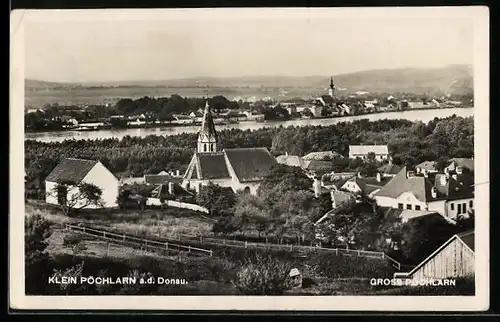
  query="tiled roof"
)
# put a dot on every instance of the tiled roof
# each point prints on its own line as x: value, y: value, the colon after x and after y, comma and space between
x: 321, y: 155
x: 212, y: 166
x: 420, y: 186
x: 463, y: 162
x: 250, y: 164
x: 467, y: 238
x: 390, y: 168
x: 71, y: 170
x: 291, y: 160
x: 317, y: 165
x: 159, y: 179
x: 369, y: 184
x: 427, y: 165
x: 452, y: 189
x: 365, y: 149
x: 162, y: 191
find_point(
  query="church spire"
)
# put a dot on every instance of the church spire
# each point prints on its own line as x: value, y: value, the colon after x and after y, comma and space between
x: 332, y: 87
x: 207, y: 137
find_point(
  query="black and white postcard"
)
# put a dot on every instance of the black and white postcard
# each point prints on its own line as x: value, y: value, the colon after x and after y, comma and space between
x: 250, y: 159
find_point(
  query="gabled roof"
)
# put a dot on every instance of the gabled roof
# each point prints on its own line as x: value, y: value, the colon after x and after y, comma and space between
x: 291, y: 160
x: 390, y: 168
x: 250, y: 164
x: 328, y: 99
x: 459, y: 188
x: 162, y: 191
x: 463, y: 162
x: 369, y: 184
x: 469, y: 237
x: 365, y: 149
x: 71, y: 170
x: 159, y: 179
x: 317, y: 165
x: 419, y: 186
x: 321, y: 155
x: 212, y: 166
x: 427, y: 165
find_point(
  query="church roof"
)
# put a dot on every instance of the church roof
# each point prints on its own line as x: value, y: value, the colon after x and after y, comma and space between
x: 212, y: 166
x: 250, y: 164
x: 207, y: 125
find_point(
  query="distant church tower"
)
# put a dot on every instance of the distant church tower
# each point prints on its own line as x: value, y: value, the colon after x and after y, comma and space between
x: 207, y: 137
x: 332, y: 87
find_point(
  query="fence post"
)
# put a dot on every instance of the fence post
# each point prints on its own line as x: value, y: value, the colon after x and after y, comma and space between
x: 291, y: 247
x: 383, y: 255
x: 159, y: 234
x: 166, y: 245
x: 107, y: 251
x: 83, y: 229
x: 336, y: 252
x: 104, y: 234
x: 246, y: 244
x: 123, y: 237
x: 210, y: 253
x: 189, y: 249
x: 359, y: 252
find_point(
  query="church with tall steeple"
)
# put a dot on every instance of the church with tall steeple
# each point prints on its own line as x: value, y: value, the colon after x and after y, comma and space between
x: 237, y: 168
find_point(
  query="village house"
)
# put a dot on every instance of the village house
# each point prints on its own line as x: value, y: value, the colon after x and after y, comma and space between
x: 365, y: 185
x: 71, y: 172
x: 362, y: 151
x: 291, y: 160
x: 389, y: 170
x: 449, y: 194
x: 322, y: 156
x: 238, y: 168
x: 455, y: 258
x: 461, y: 165
x: 427, y: 167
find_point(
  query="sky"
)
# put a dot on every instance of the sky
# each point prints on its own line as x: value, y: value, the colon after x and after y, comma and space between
x: 104, y: 46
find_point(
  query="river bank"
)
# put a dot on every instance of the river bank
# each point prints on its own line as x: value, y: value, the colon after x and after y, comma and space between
x: 412, y: 115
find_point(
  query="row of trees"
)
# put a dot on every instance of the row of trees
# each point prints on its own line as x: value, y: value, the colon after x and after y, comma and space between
x: 409, y: 143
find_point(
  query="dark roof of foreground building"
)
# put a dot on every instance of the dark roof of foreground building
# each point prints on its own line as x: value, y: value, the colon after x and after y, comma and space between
x: 212, y: 166
x: 71, y: 170
x: 319, y: 165
x: 455, y: 186
x: 427, y: 165
x: 250, y: 164
x: 468, y: 238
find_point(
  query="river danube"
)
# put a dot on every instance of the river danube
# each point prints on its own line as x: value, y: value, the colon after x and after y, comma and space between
x: 414, y: 115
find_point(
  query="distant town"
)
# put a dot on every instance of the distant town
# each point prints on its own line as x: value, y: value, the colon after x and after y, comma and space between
x: 188, y: 111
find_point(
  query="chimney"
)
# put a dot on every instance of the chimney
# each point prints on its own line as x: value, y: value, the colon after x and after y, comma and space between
x: 177, y: 173
x: 171, y: 188
x: 379, y: 177
x: 434, y: 192
x: 317, y: 187
x: 459, y: 170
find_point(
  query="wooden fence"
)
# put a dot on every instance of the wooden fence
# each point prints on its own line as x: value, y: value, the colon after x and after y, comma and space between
x: 142, y: 242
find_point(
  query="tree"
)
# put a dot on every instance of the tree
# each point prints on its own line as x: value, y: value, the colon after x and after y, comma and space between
x: 262, y: 275
x: 36, y: 231
x: 72, y: 196
x: 307, y: 112
x: 218, y: 200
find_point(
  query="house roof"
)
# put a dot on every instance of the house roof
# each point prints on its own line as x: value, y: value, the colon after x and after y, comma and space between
x: 318, y: 165
x: 327, y: 99
x: 389, y: 168
x: 420, y: 186
x: 162, y: 191
x: 463, y: 162
x: 365, y: 149
x: 468, y: 238
x: 427, y: 165
x: 321, y: 155
x: 291, y: 160
x: 160, y: 178
x: 341, y: 197
x: 412, y: 214
x: 460, y: 188
x: 71, y: 170
x: 250, y: 164
x: 212, y: 165
x: 369, y: 184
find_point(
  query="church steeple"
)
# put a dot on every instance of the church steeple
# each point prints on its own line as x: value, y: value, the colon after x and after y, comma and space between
x: 207, y: 137
x: 332, y: 87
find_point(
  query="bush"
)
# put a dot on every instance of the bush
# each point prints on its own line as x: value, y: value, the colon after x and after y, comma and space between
x: 263, y: 276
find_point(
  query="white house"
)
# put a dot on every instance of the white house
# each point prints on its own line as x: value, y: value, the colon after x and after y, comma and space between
x: 448, y: 194
x: 75, y: 171
x: 365, y: 185
x: 361, y: 151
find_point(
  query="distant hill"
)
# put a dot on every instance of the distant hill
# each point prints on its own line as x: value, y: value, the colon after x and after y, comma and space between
x: 456, y: 79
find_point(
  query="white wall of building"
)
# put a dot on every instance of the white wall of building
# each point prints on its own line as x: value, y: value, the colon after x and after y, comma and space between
x: 50, y: 194
x: 453, y: 207
x: 352, y: 187
x: 104, y: 179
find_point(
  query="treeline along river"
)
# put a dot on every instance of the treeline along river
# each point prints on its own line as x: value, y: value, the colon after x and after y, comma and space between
x: 412, y: 115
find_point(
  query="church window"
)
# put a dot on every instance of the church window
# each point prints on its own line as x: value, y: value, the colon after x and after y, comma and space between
x: 211, y: 148
x: 204, y: 147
